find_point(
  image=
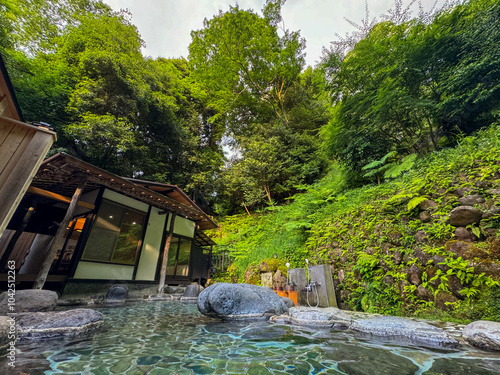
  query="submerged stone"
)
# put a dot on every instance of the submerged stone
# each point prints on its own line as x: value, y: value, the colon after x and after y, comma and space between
x: 148, y: 360
x: 240, y: 302
x: 357, y: 360
x: 459, y: 366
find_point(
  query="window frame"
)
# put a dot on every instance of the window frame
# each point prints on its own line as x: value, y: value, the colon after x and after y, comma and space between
x: 139, y: 243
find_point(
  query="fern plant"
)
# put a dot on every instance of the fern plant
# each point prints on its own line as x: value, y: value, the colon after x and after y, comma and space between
x: 389, y: 170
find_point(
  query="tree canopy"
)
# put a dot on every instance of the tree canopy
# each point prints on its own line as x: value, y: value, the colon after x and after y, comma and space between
x: 242, y: 120
x: 412, y: 87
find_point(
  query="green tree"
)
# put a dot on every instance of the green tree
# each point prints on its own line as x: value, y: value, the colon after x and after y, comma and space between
x: 269, y: 110
x: 406, y: 86
x: 242, y: 62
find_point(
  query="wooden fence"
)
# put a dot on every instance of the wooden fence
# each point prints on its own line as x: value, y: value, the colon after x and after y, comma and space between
x: 221, y: 261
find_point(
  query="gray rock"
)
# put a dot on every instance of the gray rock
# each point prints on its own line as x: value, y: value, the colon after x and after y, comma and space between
x: 483, y: 334
x: 418, y: 333
x: 488, y: 268
x: 493, y: 191
x: 427, y: 205
x: 116, y: 294
x: 421, y: 237
x: 414, y: 275
x: 173, y: 289
x: 29, y: 300
x: 459, y: 248
x: 491, y: 212
x: 341, y: 275
x: 425, y: 216
x: 240, y: 302
x: 423, y: 293
x: 440, y: 263
x: 7, y: 333
x: 444, y: 300
x: 462, y: 234
x: 288, y: 302
x: 462, y: 216
x: 421, y: 256
x: 471, y: 200
x: 54, y: 324
x: 455, y: 286
x: 329, y: 317
x: 463, y: 191
x: 192, y: 291
x: 398, y: 257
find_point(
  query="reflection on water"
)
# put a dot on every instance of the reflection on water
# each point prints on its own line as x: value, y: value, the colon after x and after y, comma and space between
x: 174, y: 338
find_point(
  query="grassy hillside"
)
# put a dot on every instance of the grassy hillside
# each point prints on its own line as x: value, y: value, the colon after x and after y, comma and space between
x: 392, y: 247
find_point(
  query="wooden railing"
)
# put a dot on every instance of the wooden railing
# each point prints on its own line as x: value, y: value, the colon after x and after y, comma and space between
x: 221, y: 261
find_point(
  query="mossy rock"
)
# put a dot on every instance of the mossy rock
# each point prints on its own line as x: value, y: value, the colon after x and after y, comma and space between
x: 465, y: 250
x: 252, y: 275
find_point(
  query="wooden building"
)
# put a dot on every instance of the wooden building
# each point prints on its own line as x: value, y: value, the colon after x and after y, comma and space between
x: 77, y: 228
x: 117, y: 230
x: 22, y: 149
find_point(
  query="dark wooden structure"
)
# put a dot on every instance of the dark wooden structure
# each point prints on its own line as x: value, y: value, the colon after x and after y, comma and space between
x: 69, y: 206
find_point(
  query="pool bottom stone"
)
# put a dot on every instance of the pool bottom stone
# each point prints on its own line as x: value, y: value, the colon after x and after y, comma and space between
x: 174, y: 338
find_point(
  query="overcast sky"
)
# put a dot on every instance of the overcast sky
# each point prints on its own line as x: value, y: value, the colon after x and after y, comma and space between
x: 165, y: 25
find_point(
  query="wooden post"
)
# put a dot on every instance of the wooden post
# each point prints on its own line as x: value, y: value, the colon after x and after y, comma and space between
x: 58, y: 240
x: 15, y: 237
x: 163, y: 273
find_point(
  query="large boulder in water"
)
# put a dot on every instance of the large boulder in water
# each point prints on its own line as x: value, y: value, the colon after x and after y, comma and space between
x: 29, y: 300
x: 406, y: 330
x: 240, y: 302
x: 328, y: 317
x: 53, y: 324
x: 483, y: 334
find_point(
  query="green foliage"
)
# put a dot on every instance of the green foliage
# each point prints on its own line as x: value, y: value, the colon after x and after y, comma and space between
x: 360, y: 230
x: 414, y: 202
x: 405, y: 86
x: 78, y: 66
x: 271, y: 111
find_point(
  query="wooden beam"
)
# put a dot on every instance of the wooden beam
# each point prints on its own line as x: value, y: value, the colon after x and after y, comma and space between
x: 57, y: 197
x: 58, y: 241
x: 163, y: 273
x: 17, y: 176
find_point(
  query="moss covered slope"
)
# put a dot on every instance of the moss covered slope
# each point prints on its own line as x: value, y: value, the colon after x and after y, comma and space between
x: 428, y: 241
